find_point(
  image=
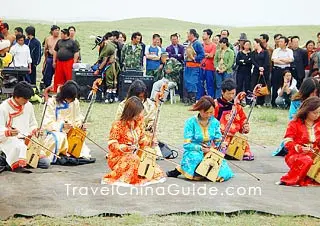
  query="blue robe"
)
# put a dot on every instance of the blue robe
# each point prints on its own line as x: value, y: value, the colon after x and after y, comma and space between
x: 194, y: 136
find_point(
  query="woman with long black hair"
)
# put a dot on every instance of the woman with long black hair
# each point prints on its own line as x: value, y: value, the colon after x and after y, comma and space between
x: 261, y: 67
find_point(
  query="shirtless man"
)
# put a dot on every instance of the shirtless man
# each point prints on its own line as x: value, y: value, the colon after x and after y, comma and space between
x: 49, y: 45
x: 6, y: 34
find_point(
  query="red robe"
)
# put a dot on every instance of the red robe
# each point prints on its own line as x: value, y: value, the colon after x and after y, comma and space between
x: 223, y: 112
x: 299, y: 162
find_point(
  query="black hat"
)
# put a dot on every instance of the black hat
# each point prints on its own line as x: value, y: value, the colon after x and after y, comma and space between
x: 97, y: 41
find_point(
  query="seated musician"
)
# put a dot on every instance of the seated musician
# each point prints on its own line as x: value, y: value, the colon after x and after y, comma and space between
x: 127, y: 138
x: 309, y: 87
x: 222, y: 112
x: 301, y: 138
x: 139, y: 89
x: 200, y: 132
x: 17, y: 120
x: 169, y: 73
x: 63, y: 113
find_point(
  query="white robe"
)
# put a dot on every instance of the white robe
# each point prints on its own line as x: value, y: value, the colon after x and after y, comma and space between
x: 23, y: 119
x: 54, y: 118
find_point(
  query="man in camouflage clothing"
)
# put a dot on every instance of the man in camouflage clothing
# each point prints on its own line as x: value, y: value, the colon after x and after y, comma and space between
x: 168, y: 73
x: 131, y: 54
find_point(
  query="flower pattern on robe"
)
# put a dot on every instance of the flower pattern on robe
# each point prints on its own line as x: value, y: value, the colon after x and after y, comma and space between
x: 123, y: 163
x: 194, y: 135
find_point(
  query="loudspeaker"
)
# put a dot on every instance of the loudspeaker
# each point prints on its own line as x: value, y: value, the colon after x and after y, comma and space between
x: 126, y: 80
x: 85, y: 80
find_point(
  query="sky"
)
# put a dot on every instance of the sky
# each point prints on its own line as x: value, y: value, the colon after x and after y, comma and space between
x: 222, y: 12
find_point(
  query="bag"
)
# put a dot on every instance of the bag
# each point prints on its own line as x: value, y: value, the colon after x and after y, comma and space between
x: 263, y: 91
x: 3, y: 163
x: 167, y: 152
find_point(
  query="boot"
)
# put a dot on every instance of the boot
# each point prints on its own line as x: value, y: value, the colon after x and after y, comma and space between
x: 173, y: 173
x: 193, y: 98
x: 187, y: 101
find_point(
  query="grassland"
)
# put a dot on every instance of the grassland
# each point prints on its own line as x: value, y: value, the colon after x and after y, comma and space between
x: 267, y: 125
x: 165, y: 27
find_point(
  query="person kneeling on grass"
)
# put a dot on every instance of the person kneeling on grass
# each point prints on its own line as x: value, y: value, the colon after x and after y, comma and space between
x: 198, y: 130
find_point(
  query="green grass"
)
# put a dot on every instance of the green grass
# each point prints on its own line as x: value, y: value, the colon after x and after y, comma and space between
x: 248, y: 219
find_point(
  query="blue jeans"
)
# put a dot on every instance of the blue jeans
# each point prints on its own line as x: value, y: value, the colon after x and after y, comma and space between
x: 219, y: 78
x: 206, y: 77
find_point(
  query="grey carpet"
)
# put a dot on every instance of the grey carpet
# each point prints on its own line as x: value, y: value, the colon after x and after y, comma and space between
x: 45, y: 192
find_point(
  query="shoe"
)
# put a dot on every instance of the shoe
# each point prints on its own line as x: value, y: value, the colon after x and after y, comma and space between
x: 22, y: 170
x: 116, y: 99
x: 259, y: 106
x: 173, y: 173
x: 107, y: 101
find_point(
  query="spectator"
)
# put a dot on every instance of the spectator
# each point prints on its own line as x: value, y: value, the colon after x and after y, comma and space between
x: 244, y: 63
x: 122, y: 39
x: 35, y: 52
x: 225, y: 34
x: 160, y: 45
x: 18, y: 31
x: 287, y: 89
x: 5, y: 57
x: 276, y: 39
x: 50, y: 43
x: 264, y: 41
x: 206, y: 78
x: 300, y: 60
x: 239, y: 46
x: 176, y: 50
x: 153, y: 53
x: 223, y: 62
x: 169, y: 74
x: 216, y: 40
x: 261, y: 67
x: 131, y: 54
x: 72, y: 31
x: 194, y: 56
x: 282, y: 57
x: 21, y: 55
x: 6, y: 33
x: 65, y: 54
x: 310, y: 47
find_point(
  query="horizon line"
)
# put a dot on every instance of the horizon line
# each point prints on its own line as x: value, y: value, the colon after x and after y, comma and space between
x: 104, y: 20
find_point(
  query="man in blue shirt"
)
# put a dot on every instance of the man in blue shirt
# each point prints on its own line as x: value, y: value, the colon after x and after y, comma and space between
x: 35, y: 52
x: 153, y: 53
x: 194, y: 55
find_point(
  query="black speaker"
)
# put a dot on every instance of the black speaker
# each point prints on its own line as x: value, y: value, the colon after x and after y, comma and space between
x: 126, y: 80
x: 85, y: 80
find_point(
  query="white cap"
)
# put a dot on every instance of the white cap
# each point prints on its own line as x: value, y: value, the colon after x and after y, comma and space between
x: 4, y: 44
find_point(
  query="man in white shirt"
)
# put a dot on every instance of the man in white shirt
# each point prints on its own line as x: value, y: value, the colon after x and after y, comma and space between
x: 282, y: 57
x: 21, y: 55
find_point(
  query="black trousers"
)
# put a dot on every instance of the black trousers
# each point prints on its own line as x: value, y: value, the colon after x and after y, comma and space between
x: 33, y: 75
x: 276, y: 78
x: 243, y: 81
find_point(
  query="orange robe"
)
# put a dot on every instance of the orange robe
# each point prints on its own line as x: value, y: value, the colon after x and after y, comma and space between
x: 123, y: 163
